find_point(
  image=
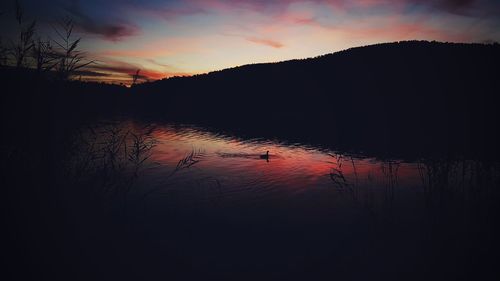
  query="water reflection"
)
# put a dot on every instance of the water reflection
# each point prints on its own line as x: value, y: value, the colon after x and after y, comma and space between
x: 212, y: 198
x: 189, y: 165
x: 238, y: 170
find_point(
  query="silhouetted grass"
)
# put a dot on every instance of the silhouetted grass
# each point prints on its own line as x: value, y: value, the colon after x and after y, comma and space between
x: 189, y: 160
x: 107, y: 160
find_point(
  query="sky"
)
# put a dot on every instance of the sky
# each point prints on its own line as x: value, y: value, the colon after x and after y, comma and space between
x: 175, y: 38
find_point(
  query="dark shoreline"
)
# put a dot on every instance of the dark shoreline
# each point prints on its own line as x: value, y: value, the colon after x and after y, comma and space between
x: 398, y: 100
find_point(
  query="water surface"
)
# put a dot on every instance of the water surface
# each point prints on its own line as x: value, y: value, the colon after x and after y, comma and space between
x: 210, y: 202
x: 226, y: 168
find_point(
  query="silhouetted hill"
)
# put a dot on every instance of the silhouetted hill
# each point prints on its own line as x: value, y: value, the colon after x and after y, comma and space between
x: 388, y: 98
x: 407, y: 99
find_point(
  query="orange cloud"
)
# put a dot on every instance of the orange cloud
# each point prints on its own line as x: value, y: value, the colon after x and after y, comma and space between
x: 115, y: 71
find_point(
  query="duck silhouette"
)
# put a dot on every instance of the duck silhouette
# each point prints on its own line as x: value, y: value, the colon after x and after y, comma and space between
x: 265, y: 156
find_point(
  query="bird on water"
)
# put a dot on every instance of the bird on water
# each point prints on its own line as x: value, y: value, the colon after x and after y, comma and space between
x: 265, y: 156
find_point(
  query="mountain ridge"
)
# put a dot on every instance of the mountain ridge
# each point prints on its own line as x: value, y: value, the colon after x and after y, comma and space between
x: 393, y: 94
x: 332, y: 55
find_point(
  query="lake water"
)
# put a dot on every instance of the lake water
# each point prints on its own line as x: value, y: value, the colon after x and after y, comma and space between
x: 209, y: 205
x: 227, y: 169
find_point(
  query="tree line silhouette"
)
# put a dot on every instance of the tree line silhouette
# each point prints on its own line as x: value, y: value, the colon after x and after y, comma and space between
x: 402, y: 98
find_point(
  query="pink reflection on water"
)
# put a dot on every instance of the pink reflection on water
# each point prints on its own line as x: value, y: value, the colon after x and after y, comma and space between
x: 291, y: 168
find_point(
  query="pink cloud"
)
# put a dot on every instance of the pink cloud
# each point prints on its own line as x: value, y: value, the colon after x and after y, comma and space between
x: 266, y: 42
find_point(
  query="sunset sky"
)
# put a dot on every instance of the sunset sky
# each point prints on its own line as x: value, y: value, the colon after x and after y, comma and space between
x: 167, y: 38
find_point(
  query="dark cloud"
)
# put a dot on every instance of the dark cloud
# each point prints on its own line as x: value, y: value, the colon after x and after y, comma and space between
x: 126, y: 69
x: 114, y: 31
x: 174, y: 13
x: 480, y: 9
x: 451, y: 6
x: 89, y: 73
x: 458, y: 3
x: 123, y: 68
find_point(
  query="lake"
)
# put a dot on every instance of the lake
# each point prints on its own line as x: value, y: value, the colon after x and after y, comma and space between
x: 204, y: 203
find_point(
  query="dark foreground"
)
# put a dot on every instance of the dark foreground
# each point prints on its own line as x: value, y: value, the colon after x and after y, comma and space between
x: 101, y: 182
